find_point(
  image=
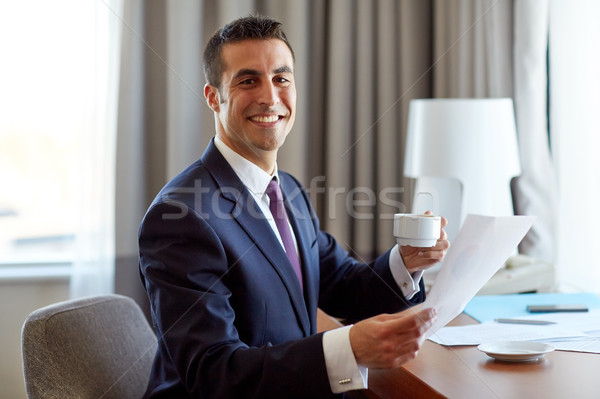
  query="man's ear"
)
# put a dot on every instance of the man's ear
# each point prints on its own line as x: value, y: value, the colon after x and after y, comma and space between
x: 211, y: 94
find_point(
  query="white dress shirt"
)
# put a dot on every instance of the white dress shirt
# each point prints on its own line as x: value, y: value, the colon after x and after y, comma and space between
x: 343, y: 371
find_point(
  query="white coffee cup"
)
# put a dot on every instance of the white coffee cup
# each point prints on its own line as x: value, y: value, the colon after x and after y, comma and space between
x: 417, y: 230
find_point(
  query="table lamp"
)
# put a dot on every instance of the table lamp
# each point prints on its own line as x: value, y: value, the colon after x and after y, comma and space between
x: 463, y: 153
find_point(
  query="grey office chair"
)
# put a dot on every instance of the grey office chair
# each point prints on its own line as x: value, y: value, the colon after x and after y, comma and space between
x: 96, y: 347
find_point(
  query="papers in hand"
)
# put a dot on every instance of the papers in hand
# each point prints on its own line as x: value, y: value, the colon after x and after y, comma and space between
x: 481, y: 247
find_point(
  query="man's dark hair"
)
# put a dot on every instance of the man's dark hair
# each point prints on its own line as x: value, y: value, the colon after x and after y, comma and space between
x: 251, y: 27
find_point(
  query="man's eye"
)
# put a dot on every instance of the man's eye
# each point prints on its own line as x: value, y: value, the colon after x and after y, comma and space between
x: 281, y: 80
x: 247, y: 81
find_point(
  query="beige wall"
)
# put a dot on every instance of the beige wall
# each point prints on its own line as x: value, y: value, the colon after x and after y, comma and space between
x: 18, y: 298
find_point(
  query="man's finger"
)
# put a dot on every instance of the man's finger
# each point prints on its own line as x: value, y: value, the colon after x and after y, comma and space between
x: 409, y: 316
x: 444, y: 221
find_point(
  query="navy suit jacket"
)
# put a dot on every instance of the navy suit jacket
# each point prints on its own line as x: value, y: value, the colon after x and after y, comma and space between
x: 231, y: 319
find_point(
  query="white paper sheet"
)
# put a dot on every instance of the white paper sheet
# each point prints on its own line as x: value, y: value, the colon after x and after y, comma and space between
x: 576, y: 332
x: 588, y: 322
x: 476, y: 334
x: 481, y: 247
x: 584, y: 321
x: 580, y: 344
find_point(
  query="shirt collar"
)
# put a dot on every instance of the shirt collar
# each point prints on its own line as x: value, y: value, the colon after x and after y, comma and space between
x: 254, y: 178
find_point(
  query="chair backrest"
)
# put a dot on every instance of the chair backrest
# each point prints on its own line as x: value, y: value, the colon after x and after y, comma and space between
x: 96, y: 347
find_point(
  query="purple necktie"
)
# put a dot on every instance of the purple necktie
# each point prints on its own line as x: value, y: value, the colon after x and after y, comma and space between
x: 280, y: 217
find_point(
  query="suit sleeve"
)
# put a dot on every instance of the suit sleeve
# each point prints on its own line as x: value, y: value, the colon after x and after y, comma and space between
x: 186, y: 272
x: 354, y: 291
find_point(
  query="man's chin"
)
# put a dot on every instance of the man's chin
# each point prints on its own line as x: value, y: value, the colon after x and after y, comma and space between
x: 271, y: 141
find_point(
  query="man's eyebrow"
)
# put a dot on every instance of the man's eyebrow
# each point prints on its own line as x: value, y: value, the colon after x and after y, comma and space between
x: 283, y: 69
x: 254, y: 72
x: 246, y: 72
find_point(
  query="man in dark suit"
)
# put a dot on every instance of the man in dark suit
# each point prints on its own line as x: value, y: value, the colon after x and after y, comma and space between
x: 234, y: 284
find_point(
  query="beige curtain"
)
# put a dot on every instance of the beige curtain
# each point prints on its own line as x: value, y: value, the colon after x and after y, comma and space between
x: 375, y: 58
x: 473, y: 48
x: 535, y: 191
x: 93, y: 268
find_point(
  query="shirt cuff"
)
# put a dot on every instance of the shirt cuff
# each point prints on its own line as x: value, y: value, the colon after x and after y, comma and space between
x: 409, y: 284
x: 343, y: 371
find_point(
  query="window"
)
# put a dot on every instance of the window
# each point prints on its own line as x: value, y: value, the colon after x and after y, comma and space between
x: 574, y: 123
x: 47, y: 87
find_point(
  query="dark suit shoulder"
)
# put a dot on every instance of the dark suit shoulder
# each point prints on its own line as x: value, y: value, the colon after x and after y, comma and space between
x: 187, y: 178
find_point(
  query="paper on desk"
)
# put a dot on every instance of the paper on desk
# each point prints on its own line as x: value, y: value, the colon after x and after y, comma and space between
x: 577, y: 332
x: 481, y: 247
x: 587, y: 344
x: 588, y: 322
x: 476, y: 334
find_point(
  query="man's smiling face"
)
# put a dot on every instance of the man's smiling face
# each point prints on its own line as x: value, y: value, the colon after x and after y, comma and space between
x: 256, y: 104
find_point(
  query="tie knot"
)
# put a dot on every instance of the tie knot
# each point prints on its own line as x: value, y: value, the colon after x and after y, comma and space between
x: 273, y: 191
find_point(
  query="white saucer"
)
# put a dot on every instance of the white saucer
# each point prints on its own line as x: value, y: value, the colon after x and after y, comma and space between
x: 515, y: 351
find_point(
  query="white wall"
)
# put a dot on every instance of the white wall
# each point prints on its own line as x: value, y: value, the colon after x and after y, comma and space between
x: 18, y: 298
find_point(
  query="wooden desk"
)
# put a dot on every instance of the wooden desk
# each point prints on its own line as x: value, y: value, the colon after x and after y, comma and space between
x: 465, y: 372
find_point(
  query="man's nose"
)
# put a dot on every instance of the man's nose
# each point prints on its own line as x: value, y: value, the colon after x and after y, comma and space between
x: 268, y: 94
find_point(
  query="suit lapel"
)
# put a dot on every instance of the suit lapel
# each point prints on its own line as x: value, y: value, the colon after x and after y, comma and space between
x: 249, y: 216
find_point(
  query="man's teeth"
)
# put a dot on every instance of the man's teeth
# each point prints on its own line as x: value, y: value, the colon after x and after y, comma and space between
x: 265, y: 119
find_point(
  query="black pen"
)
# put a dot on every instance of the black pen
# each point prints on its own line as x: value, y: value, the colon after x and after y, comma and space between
x: 522, y: 321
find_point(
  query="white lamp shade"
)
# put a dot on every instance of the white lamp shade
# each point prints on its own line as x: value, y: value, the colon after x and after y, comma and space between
x: 472, y: 140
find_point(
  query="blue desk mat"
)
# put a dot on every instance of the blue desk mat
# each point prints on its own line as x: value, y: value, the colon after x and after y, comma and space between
x: 489, y: 307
